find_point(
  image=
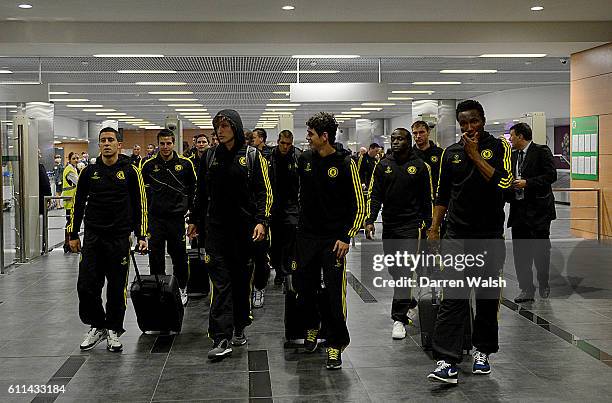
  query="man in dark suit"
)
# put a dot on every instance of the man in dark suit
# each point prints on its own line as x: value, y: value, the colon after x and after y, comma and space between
x: 532, y: 208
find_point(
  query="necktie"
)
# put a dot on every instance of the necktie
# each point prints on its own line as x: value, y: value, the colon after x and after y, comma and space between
x: 520, y: 162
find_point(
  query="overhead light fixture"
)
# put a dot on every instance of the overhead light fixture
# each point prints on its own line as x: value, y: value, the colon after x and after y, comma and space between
x: 170, y: 92
x: 117, y: 114
x: 378, y: 104
x: 25, y: 6
x: 400, y: 98
x: 495, y: 123
x: 58, y: 93
x: 325, y: 56
x: 184, y: 105
x: 206, y: 127
x: 151, y: 127
x: 160, y: 83
x: 146, y: 71
x: 279, y: 99
x: 7, y: 106
x: 6, y: 72
x: 349, y: 113
x: 276, y: 113
x: 436, y: 83
x: 126, y: 55
x: 412, y: 92
x: 191, y: 110
x: 468, y: 71
x: 177, y: 99
x: 99, y: 110
x: 288, y: 8
x: 283, y: 105
x: 281, y: 92
x: 513, y: 55
x: 366, y: 109
x: 84, y: 106
x: 280, y: 109
x: 537, y: 8
x: 311, y: 71
x: 69, y: 100
x: 109, y: 114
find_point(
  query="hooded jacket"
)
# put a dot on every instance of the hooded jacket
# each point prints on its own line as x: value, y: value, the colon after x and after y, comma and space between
x: 170, y: 185
x: 111, y: 198
x: 285, y: 185
x: 331, y: 200
x: 475, y: 205
x: 228, y: 193
x: 404, y: 190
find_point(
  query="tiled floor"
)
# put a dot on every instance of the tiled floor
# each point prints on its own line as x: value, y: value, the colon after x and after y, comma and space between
x: 40, y: 330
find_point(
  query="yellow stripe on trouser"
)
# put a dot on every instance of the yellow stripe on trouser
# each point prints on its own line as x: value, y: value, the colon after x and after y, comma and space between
x: 127, y: 280
x: 344, y: 288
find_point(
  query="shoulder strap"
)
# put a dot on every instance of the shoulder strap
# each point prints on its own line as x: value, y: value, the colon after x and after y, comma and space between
x: 251, y: 153
x: 210, y: 157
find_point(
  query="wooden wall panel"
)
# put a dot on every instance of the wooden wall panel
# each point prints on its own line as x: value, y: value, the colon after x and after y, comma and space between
x: 591, y: 62
x: 591, y: 96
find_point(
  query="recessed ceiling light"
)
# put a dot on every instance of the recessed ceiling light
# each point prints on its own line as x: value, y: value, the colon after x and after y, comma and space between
x: 7, y: 106
x: 126, y: 55
x: 184, y: 105
x: 325, y: 56
x: 170, y: 92
x: 311, y: 72
x: 109, y: 114
x: 191, y: 110
x: 146, y: 71
x: 436, y: 82
x: 513, y: 55
x: 99, y: 110
x: 160, y: 83
x: 537, y: 8
x: 412, y: 92
x: 69, y: 100
x: 84, y: 106
x: 6, y: 72
x: 281, y: 92
x: 288, y: 8
x: 378, y: 104
x: 25, y: 6
x: 366, y: 109
x: 280, y: 99
x: 206, y: 127
x: 283, y: 105
x: 58, y: 93
x: 468, y: 71
x: 177, y: 99
x: 399, y: 98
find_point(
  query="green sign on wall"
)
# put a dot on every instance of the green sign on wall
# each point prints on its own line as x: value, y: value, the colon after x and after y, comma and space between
x: 585, y: 148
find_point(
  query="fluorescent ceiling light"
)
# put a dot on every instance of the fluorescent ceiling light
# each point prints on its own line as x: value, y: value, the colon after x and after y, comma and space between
x: 366, y: 109
x: 411, y: 92
x: 5, y: 72
x: 312, y: 71
x: 325, y: 56
x: 170, y: 92
x: 349, y: 113
x: 280, y: 99
x: 436, y: 82
x: 468, y: 71
x: 284, y: 83
x: 280, y: 109
x: 146, y: 71
x: 160, y: 83
x: 25, y: 6
x: 151, y: 127
x: 84, y: 106
x: 400, y: 98
x: 69, y: 100
x: 537, y: 8
x: 7, y: 106
x: 126, y: 55
x: 281, y: 92
x: 110, y: 114
x: 191, y: 110
x: 206, y: 127
x: 114, y: 114
x: 378, y: 104
x: 276, y: 113
x: 99, y: 110
x: 513, y: 55
x: 283, y: 105
x: 288, y: 8
x: 58, y: 93
x: 177, y: 99
x: 184, y: 105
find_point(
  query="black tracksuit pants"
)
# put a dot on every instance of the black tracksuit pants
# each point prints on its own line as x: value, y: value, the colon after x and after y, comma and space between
x: 449, y: 328
x: 261, y: 263
x: 103, y: 257
x: 531, y: 246
x: 170, y: 230
x: 229, y: 250
x: 282, y: 248
x: 314, y: 256
x: 400, y: 239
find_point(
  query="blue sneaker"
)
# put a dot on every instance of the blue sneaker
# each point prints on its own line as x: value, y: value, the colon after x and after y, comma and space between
x: 481, y: 363
x: 445, y: 372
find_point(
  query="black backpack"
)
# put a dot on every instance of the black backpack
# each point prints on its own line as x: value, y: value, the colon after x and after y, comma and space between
x: 250, y: 154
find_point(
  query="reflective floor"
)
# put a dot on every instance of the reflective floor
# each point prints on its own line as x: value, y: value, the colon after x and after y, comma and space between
x: 550, y: 351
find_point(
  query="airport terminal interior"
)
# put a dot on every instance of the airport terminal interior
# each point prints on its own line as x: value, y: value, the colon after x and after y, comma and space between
x: 70, y: 68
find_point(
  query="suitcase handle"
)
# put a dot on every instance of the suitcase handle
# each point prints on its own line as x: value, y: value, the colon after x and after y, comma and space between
x: 159, y: 286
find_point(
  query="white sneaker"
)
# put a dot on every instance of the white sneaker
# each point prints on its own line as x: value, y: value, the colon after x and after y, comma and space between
x: 112, y: 341
x: 92, y: 338
x: 399, y: 331
x: 184, y: 296
x: 258, y: 298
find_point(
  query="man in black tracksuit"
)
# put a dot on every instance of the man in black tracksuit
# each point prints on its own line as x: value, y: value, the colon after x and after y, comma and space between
x: 170, y: 181
x: 332, y: 210
x: 110, y: 195
x: 233, y: 201
x: 402, y: 184
x: 427, y: 150
x: 366, y: 164
x: 473, y: 176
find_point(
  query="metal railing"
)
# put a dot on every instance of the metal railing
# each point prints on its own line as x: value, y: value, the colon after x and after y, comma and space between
x: 45, y: 228
x: 597, y: 207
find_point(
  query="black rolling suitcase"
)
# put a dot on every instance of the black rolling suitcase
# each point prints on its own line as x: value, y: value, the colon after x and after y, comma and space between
x: 198, y: 285
x: 157, y: 302
x: 428, y: 312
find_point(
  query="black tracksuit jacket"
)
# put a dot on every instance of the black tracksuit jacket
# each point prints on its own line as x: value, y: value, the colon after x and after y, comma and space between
x: 111, y: 199
x: 475, y: 205
x: 433, y: 157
